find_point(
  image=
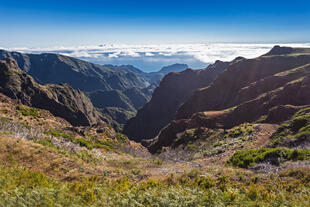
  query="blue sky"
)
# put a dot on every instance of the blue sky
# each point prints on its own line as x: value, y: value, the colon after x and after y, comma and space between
x: 38, y: 23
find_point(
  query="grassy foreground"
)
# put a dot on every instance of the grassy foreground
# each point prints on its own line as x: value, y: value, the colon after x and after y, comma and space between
x: 22, y: 187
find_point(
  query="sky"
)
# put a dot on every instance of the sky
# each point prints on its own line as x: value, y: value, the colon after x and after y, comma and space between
x: 35, y: 24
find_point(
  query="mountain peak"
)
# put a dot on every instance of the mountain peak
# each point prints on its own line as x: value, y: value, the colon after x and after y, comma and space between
x: 278, y: 50
x: 173, y: 68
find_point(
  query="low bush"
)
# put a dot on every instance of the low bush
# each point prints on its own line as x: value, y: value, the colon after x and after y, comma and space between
x: 28, y: 111
x: 247, y: 158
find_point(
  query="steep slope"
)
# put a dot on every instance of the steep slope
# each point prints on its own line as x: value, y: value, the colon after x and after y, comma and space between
x: 53, y: 68
x: 60, y: 100
x: 268, y: 89
x: 114, y: 98
x: 119, y: 106
x: 223, y: 92
x: 138, y: 97
x: 88, y: 77
x: 173, y: 90
x: 114, y: 82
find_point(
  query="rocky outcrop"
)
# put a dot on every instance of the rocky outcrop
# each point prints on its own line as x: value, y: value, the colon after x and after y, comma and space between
x: 60, y: 99
x: 173, y: 90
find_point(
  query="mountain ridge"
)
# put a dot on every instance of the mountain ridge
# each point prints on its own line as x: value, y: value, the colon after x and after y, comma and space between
x: 266, y: 86
x: 172, y: 91
x: 61, y: 100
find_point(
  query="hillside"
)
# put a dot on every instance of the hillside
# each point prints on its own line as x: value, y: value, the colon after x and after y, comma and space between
x: 60, y: 100
x: 124, y: 88
x: 212, y: 158
x: 267, y: 89
x: 173, y: 90
x: 79, y: 74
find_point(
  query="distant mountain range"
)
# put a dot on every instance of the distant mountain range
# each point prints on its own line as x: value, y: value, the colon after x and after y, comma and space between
x: 117, y: 91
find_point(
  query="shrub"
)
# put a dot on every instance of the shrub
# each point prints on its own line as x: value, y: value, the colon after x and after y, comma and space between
x: 85, y: 143
x: 28, y: 111
x: 45, y: 142
x: 247, y: 158
x: 58, y: 134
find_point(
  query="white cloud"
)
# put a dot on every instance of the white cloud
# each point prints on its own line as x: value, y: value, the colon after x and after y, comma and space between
x: 149, y: 54
x: 203, y: 53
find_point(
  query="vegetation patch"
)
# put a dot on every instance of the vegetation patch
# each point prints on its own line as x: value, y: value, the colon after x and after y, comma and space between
x: 28, y: 111
x: 22, y: 187
x: 242, y: 130
x: 247, y: 158
x: 297, y: 129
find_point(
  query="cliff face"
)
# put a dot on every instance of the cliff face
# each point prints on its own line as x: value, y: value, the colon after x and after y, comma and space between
x: 173, y: 90
x: 266, y: 89
x: 61, y: 100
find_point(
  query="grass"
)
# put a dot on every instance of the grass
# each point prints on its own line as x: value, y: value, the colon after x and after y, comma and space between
x: 95, y: 143
x: 294, y: 130
x: 247, y: 158
x: 58, y: 134
x: 23, y: 187
x: 28, y: 111
x: 46, y: 142
x: 243, y: 129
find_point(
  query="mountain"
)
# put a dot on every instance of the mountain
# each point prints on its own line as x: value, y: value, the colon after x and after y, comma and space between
x: 157, y: 76
x: 151, y: 77
x: 209, y: 158
x: 267, y: 89
x: 232, y: 87
x: 54, y: 68
x: 173, y: 90
x: 125, y: 68
x: 122, y: 88
x: 173, y: 68
x: 61, y: 100
x: 112, y: 83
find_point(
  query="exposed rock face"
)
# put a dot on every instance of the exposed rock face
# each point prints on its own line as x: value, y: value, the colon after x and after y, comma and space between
x: 173, y: 90
x: 248, y: 91
x: 60, y: 100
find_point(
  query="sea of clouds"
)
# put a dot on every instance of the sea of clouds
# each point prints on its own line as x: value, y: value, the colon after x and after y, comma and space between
x: 153, y: 57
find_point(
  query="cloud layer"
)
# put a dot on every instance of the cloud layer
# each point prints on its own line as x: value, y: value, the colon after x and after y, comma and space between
x: 152, y: 57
